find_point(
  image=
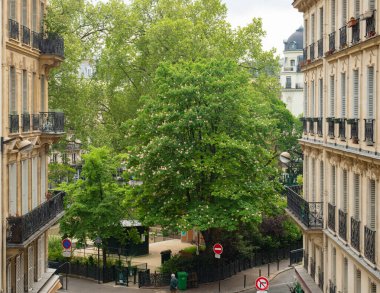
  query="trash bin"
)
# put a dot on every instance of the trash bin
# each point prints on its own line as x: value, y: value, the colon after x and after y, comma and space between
x: 165, y: 255
x: 182, y: 280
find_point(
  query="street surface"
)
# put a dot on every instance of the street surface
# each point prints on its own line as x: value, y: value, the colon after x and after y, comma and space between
x: 280, y: 283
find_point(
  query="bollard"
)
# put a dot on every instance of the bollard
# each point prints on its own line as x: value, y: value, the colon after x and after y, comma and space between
x: 268, y: 269
x: 245, y: 280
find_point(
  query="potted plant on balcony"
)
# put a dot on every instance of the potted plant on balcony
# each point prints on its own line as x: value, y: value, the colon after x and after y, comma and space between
x: 48, y: 195
x: 353, y: 21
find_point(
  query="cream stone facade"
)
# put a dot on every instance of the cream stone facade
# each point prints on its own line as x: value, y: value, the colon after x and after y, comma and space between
x: 338, y: 206
x: 27, y: 130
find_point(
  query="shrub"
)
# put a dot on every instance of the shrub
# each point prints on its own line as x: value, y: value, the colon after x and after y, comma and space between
x: 55, y: 249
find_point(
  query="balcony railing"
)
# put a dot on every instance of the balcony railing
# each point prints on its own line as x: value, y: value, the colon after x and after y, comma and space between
x: 331, y: 217
x: 312, y: 268
x: 356, y: 32
x: 332, y: 287
x: 36, y: 40
x: 25, y: 35
x: 311, y: 126
x: 52, y: 122
x: 21, y: 228
x: 14, y: 29
x: 331, y: 127
x: 306, y: 261
x: 343, y: 37
x: 304, y: 124
x: 304, y: 53
x: 354, y: 129
x: 320, y: 48
x: 369, y: 131
x: 355, y: 234
x: 320, y: 126
x: 312, y: 47
x: 25, y: 117
x: 342, y: 128
x: 343, y: 225
x: 309, y: 213
x: 332, y: 42
x: 369, y: 244
x: 35, y: 122
x: 370, y: 26
x: 13, y: 123
x: 320, y: 279
x: 52, y: 45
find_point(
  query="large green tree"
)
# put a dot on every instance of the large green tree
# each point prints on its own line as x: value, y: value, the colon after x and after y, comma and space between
x: 202, y: 149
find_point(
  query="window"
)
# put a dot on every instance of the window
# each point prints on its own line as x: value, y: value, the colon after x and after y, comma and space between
x: 25, y: 91
x: 54, y: 158
x: 305, y: 105
x: 357, y: 8
x: 24, y: 186
x: 345, y: 275
x: 357, y: 197
x: 333, y: 185
x: 12, y: 91
x: 306, y: 179
x: 288, y: 84
x: 333, y: 15
x: 343, y: 94
x: 372, y: 287
x: 20, y: 273
x: 371, y: 221
x: 43, y: 178
x: 370, y: 92
x: 42, y: 97
x: 313, y: 181
x: 371, y: 4
x: 321, y: 23
x: 306, y: 34
x: 42, y: 10
x: 33, y: 102
x: 332, y: 96
x: 333, y: 271
x: 34, y: 16
x: 24, y: 12
x: 321, y: 171
x: 312, y: 102
x: 73, y: 158
x: 292, y: 63
x: 345, y: 191
x: 344, y: 12
x: 34, y: 182
x: 312, y: 28
x: 12, y: 173
x: 355, y: 94
x: 320, y: 90
x: 358, y: 281
x: 12, y: 9
x: 30, y: 267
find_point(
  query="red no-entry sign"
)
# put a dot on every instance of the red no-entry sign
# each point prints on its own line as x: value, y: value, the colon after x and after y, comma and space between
x: 262, y: 283
x: 218, y: 248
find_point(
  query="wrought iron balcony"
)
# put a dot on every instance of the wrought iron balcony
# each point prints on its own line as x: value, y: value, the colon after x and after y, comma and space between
x: 343, y: 225
x: 320, y: 126
x: 369, y: 131
x: 304, y: 54
x: 21, y: 228
x: 36, y: 40
x: 304, y: 124
x: 35, y: 122
x: 331, y: 217
x: 25, y: 117
x: 312, y: 268
x: 342, y: 128
x: 356, y: 32
x: 52, y: 45
x: 320, y: 279
x: 13, y: 123
x: 343, y: 37
x: 332, y: 42
x: 332, y: 287
x: 311, y: 126
x: 312, y: 47
x: 354, y: 129
x: 52, y: 122
x: 369, y: 244
x: 370, y: 26
x: 25, y: 35
x: 308, y: 213
x: 355, y: 234
x: 13, y: 29
x: 331, y: 127
x: 320, y: 48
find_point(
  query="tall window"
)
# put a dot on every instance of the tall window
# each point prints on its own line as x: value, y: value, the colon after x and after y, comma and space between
x: 24, y: 12
x: 306, y: 33
x: 371, y: 4
x: 305, y: 104
x: 357, y: 8
x: 370, y: 92
x: 345, y: 275
x: 345, y: 191
x: 306, y: 171
x: 358, y: 281
x: 355, y: 94
x: 371, y: 222
x: 320, y: 98
x: 12, y: 90
x: 42, y: 106
x: 333, y: 184
x: 34, y: 182
x: 357, y: 197
x: 333, y: 15
x: 343, y: 94
x: 333, y: 271
x: 288, y: 84
x: 42, y: 10
x: 25, y: 91
x: 312, y: 99
x: 313, y: 180
x: 344, y: 12
x: 34, y: 15
x: 33, y: 102
x: 12, y: 177
x: 12, y: 9
x: 321, y: 23
x: 322, y: 175
x: 332, y: 96
x: 312, y: 28
x: 24, y: 186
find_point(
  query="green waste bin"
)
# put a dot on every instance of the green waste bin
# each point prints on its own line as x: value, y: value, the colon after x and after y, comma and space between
x: 182, y: 280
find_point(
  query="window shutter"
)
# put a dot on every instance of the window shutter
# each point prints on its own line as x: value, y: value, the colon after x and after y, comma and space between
x: 305, y: 106
x: 332, y: 96
x: 34, y: 182
x: 343, y: 94
x: 25, y: 91
x: 344, y: 12
x: 312, y: 28
x: 370, y: 91
x: 357, y: 197
x: 24, y: 186
x: 357, y: 8
x: 12, y: 9
x: 12, y: 90
x: 33, y: 101
x: 321, y: 22
x: 30, y: 267
x: 371, y: 5
x: 24, y: 13
x: 355, y: 94
x: 312, y: 99
x: 345, y: 276
x: 322, y: 175
x: 372, y: 205
x: 333, y: 271
x: 313, y: 181
x: 358, y: 281
x: 333, y: 184
x: 373, y: 287
x: 12, y: 189
x: 321, y: 98
x: 34, y: 17
x: 42, y: 106
x: 345, y: 190
x: 333, y: 15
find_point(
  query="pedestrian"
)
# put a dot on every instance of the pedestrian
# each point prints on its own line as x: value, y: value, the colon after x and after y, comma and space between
x: 173, y: 284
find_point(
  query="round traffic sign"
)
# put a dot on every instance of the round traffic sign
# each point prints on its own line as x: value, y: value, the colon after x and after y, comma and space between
x: 262, y: 283
x: 66, y: 243
x: 218, y: 248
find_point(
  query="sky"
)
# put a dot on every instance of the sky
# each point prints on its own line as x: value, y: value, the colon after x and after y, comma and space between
x: 279, y: 17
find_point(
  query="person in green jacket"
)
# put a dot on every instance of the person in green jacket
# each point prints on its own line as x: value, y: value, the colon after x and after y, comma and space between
x: 173, y: 284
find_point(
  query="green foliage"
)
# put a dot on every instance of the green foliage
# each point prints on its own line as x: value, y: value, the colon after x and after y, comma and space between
x: 300, y: 180
x: 55, y: 249
x: 193, y: 249
x: 60, y: 172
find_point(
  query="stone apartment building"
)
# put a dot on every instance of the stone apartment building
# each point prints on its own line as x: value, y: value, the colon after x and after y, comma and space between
x: 27, y: 130
x: 337, y: 207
